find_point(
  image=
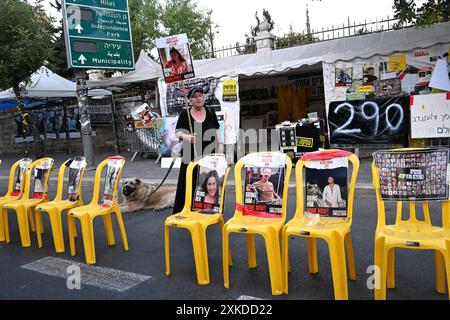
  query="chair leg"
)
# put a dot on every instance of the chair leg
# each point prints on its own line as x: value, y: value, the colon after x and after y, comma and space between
x: 230, y: 260
x: 198, y: 235
x: 285, y: 259
x: 312, y: 255
x: 274, y: 260
x: 391, y: 269
x: 57, y: 231
x: 38, y: 217
x: 122, y: 229
x: 6, y: 225
x: 251, y: 251
x: 381, y: 257
x: 88, y: 238
x: 32, y: 224
x: 440, y: 272
x: 446, y: 256
x: 72, y: 231
x: 109, y: 229
x: 225, y: 262
x: 2, y: 225
x: 24, y: 228
x: 167, y: 248
x: 350, y: 257
x: 338, y: 266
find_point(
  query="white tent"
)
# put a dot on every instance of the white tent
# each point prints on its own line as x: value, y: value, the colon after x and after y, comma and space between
x: 145, y: 69
x: 47, y: 84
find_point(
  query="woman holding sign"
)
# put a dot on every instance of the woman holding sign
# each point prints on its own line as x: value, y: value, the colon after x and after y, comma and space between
x: 204, y: 122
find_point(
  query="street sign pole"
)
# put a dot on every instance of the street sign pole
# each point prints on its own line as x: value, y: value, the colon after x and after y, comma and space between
x: 85, y: 120
x: 98, y: 36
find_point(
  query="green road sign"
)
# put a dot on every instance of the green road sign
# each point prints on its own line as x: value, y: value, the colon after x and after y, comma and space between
x: 98, y: 34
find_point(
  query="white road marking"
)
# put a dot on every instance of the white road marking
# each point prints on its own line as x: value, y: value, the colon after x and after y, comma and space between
x: 100, y: 277
x: 244, y: 297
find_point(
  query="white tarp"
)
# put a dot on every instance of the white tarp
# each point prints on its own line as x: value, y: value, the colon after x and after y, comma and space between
x: 278, y: 61
x: 47, y: 84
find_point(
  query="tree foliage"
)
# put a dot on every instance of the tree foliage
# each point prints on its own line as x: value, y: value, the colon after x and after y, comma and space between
x: 25, y: 37
x: 432, y: 11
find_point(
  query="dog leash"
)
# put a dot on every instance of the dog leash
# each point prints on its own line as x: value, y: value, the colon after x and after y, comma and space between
x: 165, y: 177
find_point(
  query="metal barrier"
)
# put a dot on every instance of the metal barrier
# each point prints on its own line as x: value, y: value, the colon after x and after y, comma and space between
x: 143, y: 140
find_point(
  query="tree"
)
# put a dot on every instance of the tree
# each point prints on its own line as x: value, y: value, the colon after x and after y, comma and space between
x: 432, y: 11
x: 145, y: 25
x: 292, y: 39
x: 25, y: 37
x: 184, y: 16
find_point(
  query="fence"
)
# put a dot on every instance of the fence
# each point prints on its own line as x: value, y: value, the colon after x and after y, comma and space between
x: 334, y: 32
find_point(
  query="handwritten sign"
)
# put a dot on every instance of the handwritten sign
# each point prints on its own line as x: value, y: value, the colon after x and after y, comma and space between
x: 369, y: 121
x: 430, y: 116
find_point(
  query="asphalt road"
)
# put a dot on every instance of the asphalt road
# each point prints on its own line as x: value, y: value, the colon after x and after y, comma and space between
x: 415, y: 276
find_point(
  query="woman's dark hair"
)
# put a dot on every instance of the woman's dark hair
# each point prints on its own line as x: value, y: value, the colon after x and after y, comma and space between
x: 180, y: 57
x: 212, y: 173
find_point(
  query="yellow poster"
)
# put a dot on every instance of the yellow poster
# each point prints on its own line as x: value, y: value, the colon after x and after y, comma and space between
x: 397, y: 63
x: 364, y: 88
x: 229, y: 90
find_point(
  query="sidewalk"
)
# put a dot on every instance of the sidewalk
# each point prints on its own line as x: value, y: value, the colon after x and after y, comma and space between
x: 150, y: 172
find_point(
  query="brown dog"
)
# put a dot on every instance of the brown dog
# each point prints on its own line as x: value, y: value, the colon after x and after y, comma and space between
x: 138, y: 195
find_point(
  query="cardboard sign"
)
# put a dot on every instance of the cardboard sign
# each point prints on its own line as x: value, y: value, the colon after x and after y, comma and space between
x: 20, y: 174
x: 210, y: 178
x: 175, y: 57
x: 388, y: 87
x: 413, y: 175
x: 430, y: 116
x: 40, y: 175
x: 369, y: 121
x: 112, y: 171
x: 326, y: 186
x: 229, y: 90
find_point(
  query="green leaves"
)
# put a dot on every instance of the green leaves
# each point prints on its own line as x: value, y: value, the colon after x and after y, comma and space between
x: 428, y: 13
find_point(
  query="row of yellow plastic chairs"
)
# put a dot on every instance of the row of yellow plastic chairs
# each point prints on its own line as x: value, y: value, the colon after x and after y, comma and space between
x: 336, y: 233
x: 29, y: 205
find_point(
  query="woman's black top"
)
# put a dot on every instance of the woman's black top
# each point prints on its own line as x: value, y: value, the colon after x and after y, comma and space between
x: 209, y: 123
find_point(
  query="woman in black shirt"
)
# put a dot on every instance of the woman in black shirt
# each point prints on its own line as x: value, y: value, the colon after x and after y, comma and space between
x: 202, y: 121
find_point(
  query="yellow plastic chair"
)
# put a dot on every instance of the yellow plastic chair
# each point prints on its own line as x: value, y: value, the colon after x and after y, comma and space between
x: 41, y: 172
x: 15, y: 189
x: 108, y: 205
x: 196, y: 223
x: 268, y: 228
x: 335, y: 231
x: 409, y: 234
x: 56, y: 207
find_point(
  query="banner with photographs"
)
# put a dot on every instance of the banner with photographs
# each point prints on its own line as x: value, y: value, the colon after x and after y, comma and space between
x: 326, y: 187
x: 76, y: 166
x: 369, y: 121
x: 264, y: 182
x: 112, y: 170
x: 175, y: 57
x: 210, y: 178
x: 40, y: 175
x: 413, y: 175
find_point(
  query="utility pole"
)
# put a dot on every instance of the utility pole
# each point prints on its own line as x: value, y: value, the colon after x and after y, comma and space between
x: 85, y: 120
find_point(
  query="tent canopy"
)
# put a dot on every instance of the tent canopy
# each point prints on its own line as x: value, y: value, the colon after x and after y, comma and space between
x: 47, y: 84
x: 145, y: 69
x: 279, y: 61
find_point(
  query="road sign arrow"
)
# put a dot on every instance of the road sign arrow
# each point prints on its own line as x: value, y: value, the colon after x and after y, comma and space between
x: 79, y: 28
x: 82, y: 59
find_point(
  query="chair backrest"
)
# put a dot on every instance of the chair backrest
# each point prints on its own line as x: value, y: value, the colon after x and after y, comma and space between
x: 16, y: 177
x: 114, y: 166
x: 266, y: 184
x: 76, y: 168
x: 39, y: 171
x: 209, y: 193
x: 411, y: 175
x: 324, y: 176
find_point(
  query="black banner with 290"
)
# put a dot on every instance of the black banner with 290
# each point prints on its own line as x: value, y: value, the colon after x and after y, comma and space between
x: 376, y: 121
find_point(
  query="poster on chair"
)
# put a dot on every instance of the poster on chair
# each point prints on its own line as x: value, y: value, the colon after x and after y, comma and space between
x: 326, y: 187
x: 208, y: 191
x: 413, y: 175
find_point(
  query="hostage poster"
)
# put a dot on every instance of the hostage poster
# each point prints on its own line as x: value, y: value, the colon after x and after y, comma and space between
x: 413, y: 175
x: 327, y: 187
x: 175, y: 57
x: 208, y: 191
x: 264, y: 182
